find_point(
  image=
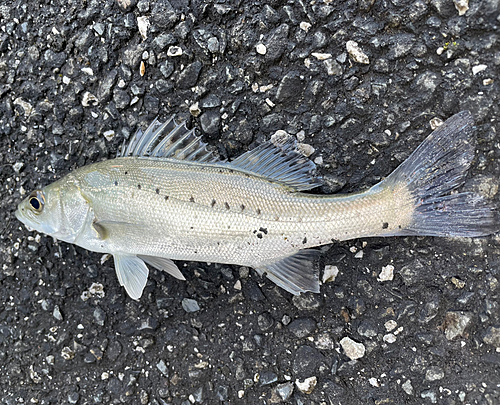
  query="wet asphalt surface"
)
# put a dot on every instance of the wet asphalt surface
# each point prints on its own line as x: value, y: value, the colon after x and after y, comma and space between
x: 77, y: 78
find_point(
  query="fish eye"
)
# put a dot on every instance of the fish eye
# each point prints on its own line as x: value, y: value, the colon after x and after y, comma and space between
x: 37, y: 201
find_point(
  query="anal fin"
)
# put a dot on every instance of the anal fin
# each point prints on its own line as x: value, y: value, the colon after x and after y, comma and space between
x: 132, y: 274
x: 163, y: 264
x: 295, y: 273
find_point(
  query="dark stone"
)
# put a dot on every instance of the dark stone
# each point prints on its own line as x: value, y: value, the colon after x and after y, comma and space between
x: 163, y: 15
x: 276, y: 43
x: 265, y: 321
x: 302, y: 327
x: 252, y: 291
x: 210, y: 121
x: 291, y: 86
x: 104, y: 92
x: 306, y: 361
x: 121, y: 99
x: 189, y: 76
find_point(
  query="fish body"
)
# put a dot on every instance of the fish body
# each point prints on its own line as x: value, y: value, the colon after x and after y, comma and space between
x: 166, y: 198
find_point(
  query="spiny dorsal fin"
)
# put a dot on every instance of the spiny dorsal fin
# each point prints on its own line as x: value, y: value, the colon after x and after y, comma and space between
x: 280, y: 162
x: 168, y: 140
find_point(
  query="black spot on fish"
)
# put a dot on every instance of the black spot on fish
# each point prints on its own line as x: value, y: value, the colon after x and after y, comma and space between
x: 226, y: 205
x: 263, y: 230
x: 231, y: 171
x: 191, y: 227
x: 385, y: 225
x: 126, y: 172
x: 242, y: 207
x: 157, y: 191
x: 195, y: 252
x: 258, y: 211
x: 116, y: 183
x: 399, y: 226
x: 218, y: 243
x: 166, y: 198
x: 255, y: 231
x: 191, y: 199
x: 304, y: 241
x: 139, y: 186
x: 259, y: 235
x: 221, y: 171
x: 213, y: 203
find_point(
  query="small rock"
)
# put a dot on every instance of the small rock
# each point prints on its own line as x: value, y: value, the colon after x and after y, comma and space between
x: 356, y: 53
x: 143, y: 25
x: 492, y: 336
x: 285, y: 391
x: 73, y: 397
x: 352, y: 349
x: 333, y: 68
x: 261, y: 49
x: 321, y: 56
x: 174, y: 51
x: 434, y: 373
x: 302, y: 327
x: 307, y: 301
x: 267, y: 377
x: 435, y: 123
x: 194, y: 109
x: 387, y: 273
x: 307, y: 386
x: 57, y: 313
x: 99, y: 316
x: 109, y: 135
x: 189, y: 76
x: 390, y: 325
x: 478, y: 68
x: 305, y: 149
x: 462, y: 6
x: 190, y: 305
x: 67, y: 353
x: 367, y: 329
x: 265, y: 321
x: 407, y: 387
x: 389, y: 338
x: 330, y: 273
x: 431, y: 395
x: 455, y: 324
x: 89, y: 99
x: 210, y: 121
x: 162, y: 367
x: 291, y: 86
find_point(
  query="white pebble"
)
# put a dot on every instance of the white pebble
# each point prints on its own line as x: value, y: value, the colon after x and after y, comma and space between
x: 174, y: 51
x: 261, y: 49
x: 387, y: 273
x: 390, y: 325
x: 330, y: 273
x: 487, y: 82
x: 89, y: 99
x: 88, y: 71
x: 462, y: 6
x: 304, y: 26
x: 356, y: 53
x: 305, y: 149
x: 321, y: 56
x: 359, y: 255
x: 319, y: 160
x: 352, y: 349
x: 307, y: 386
x: 143, y: 24
x: 435, y: 122
x: 478, y: 68
x: 389, y: 338
x: 374, y: 382
x: 109, y: 135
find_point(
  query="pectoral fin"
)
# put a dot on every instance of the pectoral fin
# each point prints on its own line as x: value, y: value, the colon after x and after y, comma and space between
x: 132, y: 274
x: 164, y: 264
x: 295, y: 273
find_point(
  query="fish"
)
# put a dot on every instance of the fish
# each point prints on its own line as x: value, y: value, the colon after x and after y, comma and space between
x: 166, y: 197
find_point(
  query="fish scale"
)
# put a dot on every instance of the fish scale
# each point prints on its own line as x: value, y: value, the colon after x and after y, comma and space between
x: 168, y: 198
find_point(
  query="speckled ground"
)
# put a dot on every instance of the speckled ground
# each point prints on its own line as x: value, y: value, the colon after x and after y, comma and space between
x: 77, y: 77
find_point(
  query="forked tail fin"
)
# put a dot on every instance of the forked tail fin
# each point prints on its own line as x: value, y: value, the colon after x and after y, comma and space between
x: 434, y: 170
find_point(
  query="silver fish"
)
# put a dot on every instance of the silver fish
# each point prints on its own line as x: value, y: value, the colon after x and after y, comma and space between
x: 167, y: 198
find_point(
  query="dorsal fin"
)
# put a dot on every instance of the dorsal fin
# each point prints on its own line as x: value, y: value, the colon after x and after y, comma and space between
x: 168, y: 140
x: 280, y: 162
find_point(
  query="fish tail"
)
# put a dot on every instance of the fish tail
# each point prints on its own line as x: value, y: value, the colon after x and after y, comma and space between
x: 432, y: 173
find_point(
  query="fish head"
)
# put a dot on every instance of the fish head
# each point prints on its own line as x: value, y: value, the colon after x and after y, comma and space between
x: 59, y: 210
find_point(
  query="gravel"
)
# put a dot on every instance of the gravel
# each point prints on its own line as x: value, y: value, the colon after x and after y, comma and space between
x: 407, y: 320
